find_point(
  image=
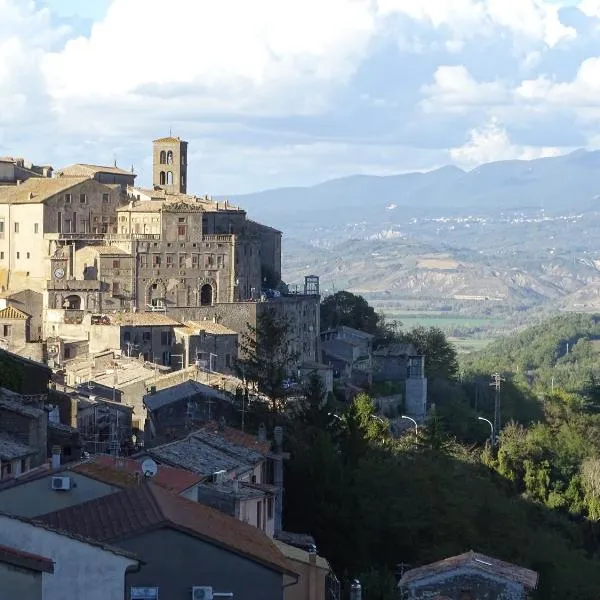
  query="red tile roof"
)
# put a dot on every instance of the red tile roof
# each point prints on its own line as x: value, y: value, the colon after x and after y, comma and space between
x: 239, y: 438
x: 121, y: 472
x: 147, y: 507
x: 18, y: 558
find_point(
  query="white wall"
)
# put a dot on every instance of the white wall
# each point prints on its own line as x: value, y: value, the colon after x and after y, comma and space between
x: 81, y: 571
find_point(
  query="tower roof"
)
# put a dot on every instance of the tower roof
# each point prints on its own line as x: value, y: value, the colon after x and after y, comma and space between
x: 169, y: 140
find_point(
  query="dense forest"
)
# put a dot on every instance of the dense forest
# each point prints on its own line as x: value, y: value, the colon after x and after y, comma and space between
x: 373, y: 501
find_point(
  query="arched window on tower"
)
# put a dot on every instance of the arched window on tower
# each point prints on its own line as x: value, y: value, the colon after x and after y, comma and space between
x: 163, y: 157
x: 170, y: 157
x: 162, y: 178
x: 169, y: 177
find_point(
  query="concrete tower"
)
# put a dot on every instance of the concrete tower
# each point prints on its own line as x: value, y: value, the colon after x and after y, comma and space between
x: 169, y: 158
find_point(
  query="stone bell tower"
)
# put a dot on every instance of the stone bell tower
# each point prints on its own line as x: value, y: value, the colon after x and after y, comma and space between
x: 169, y: 160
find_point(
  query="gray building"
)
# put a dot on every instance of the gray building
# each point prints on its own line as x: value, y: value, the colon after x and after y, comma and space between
x: 83, y: 568
x: 182, y: 544
x: 469, y: 576
x: 21, y: 573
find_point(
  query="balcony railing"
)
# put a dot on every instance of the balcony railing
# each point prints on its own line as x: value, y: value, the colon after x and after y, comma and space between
x: 76, y: 285
x: 217, y: 238
x: 73, y: 237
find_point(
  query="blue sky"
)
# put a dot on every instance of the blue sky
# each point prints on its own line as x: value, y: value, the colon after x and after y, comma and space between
x: 273, y: 93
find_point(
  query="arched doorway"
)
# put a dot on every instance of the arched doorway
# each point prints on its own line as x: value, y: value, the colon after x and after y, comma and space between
x: 72, y: 302
x: 206, y: 295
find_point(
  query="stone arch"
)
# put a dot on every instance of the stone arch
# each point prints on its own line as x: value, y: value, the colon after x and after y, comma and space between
x: 169, y: 177
x: 162, y: 178
x: 156, y: 292
x: 73, y: 302
x: 170, y: 157
x: 207, y: 292
x: 163, y: 157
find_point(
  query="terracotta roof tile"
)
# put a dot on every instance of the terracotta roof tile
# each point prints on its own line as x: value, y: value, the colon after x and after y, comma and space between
x: 238, y: 438
x: 10, y: 312
x: 38, y: 189
x: 87, y: 170
x: 169, y: 139
x: 209, y: 327
x: 143, y: 319
x: 148, y: 506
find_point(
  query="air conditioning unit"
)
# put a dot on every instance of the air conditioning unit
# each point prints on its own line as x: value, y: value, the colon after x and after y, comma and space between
x: 202, y: 593
x: 61, y: 483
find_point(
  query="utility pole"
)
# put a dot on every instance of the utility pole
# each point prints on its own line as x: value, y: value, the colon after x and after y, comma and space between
x: 496, y: 383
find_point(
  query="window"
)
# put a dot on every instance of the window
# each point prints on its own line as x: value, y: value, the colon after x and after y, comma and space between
x: 164, y: 338
x: 182, y: 261
x: 82, y: 198
x: 36, y: 228
x: 181, y: 231
x: 170, y: 157
x: 169, y: 260
x: 2, y: 226
x: 23, y: 465
x: 6, y: 330
x: 28, y: 255
x: 1, y: 255
x: 18, y: 255
x: 228, y: 360
x: 270, y: 508
x: 127, y: 336
x: 162, y: 178
x: 105, y: 198
x: 16, y: 228
x: 144, y: 260
x: 115, y: 287
x: 194, y: 260
x: 68, y: 198
x: 169, y: 177
x: 116, y: 264
x: 156, y: 260
x: 259, y: 514
x: 146, y: 336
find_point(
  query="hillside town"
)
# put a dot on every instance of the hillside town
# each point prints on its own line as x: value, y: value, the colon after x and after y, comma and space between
x: 126, y: 318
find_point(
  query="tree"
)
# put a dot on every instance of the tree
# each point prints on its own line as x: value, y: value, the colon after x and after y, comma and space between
x: 440, y: 356
x: 267, y: 358
x: 345, y: 308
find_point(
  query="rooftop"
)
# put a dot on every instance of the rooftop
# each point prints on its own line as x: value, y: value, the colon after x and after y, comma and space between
x: 299, y: 555
x: 122, y: 472
x: 10, y: 312
x: 208, y: 326
x: 207, y: 451
x: 180, y: 391
x: 474, y: 560
x: 86, y: 170
x: 146, y: 507
x: 17, y: 403
x: 108, y: 250
x: 169, y: 139
x: 11, y: 448
x: 142, y: 319
x: 37, y: 190
x: 126, y: 375
x: 32, y: 562
x: 396, y: 350
x: 350, y: 331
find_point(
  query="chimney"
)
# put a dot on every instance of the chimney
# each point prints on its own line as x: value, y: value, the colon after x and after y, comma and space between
x: 56, y: 457
x: 262, y: 433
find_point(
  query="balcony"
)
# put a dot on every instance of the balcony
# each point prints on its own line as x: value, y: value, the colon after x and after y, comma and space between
x: 76, y: 285
x: 74, y: 237
x: 218, y: 238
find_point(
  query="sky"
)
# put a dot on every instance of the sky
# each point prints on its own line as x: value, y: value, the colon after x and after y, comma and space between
x: 273, y: 93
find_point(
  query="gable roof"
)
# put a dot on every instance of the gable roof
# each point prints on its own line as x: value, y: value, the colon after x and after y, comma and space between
x: 10, y: 312
x: 121, y: 472
x: 11, y: 448
x: 37, y: 189
x: 474, y: 560
x: 208, y: 326
x: 169, y: 139
x: 87, y: 170
x: 208, y: 450
x: 180, y: 391
x: 143, y: 319
x: 147, y: 507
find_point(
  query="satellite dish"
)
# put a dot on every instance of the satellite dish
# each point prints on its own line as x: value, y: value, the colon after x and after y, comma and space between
x: 149, y: 468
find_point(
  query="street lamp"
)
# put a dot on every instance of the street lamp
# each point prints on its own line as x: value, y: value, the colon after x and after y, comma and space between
x: 415, y: 424
x: 491, y: 427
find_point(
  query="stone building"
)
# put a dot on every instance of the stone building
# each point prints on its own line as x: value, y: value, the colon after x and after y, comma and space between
x: 16, y: 170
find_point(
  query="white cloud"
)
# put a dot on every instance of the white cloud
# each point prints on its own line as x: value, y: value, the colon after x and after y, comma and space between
x: 491, y: 143
x: 455, y: 90
x: 264, y: 56
x: 536, y: 20
x: 590, y: 8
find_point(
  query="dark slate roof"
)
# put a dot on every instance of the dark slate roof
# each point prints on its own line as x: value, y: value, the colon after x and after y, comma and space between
x: 11, y: 448
x: 181, y: 391
x: 473, y: 560
x: 208, y: 450
x: 147, y: 507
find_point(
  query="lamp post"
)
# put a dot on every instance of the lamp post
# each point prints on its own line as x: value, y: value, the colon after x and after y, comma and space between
x: 491, y: 428
x: 416, y: 427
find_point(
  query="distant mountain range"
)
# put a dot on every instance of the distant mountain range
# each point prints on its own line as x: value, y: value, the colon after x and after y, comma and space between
x: 558, y: 183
